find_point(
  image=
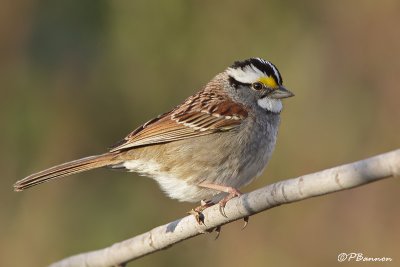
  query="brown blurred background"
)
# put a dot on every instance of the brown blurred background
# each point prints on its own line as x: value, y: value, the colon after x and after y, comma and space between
x: 77, y: 76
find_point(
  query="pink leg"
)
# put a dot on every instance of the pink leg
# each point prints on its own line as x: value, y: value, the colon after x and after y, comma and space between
x: 232, y: 193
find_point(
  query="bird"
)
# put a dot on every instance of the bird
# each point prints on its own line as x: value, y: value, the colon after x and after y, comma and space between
x: 214, y: 143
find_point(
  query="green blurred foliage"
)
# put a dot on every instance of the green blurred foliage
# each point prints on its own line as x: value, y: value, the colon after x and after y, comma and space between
x: 76, y: 76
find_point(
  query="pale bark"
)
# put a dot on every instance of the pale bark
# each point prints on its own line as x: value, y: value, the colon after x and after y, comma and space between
x: 283, y: 192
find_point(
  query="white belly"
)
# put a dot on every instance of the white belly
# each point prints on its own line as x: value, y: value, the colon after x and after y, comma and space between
x: 175, y: 188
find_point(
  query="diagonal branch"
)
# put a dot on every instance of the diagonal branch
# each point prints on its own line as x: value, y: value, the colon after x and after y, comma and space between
x: 283, y: 192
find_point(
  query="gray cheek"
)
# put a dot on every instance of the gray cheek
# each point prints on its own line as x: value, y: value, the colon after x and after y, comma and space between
x: 243, y: 95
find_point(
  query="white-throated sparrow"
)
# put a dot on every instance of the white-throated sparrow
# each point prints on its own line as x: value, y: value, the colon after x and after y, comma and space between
x: 217, y: 140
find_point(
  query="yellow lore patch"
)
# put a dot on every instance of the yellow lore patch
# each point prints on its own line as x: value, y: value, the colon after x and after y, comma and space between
x: 269, y: 82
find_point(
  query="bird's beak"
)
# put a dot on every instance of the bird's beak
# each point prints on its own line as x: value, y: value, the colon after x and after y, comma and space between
x: 279, y: 93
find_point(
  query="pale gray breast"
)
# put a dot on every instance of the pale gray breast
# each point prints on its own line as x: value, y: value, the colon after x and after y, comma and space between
x: 258, y: 147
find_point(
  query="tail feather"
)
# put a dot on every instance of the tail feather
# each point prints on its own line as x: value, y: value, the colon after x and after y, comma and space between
x: 65, y: 169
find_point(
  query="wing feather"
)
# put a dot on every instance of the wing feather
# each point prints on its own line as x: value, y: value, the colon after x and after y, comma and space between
x: 191, y: 119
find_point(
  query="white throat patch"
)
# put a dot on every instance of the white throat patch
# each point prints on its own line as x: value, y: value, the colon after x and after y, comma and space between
x: 273, y: 105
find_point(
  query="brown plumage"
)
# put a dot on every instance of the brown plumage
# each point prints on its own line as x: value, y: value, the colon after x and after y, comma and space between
x: 65, y: 169
x: 199, y: 115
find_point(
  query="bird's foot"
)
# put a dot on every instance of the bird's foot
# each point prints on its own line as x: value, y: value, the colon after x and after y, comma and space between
x: 232, y: 193
x: 197, y: 212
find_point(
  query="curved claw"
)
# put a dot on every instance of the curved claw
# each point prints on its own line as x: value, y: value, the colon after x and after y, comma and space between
x: 246, y: 222
x: 218, y: 230
x: 232, y: 194
x: 222, y: 210
x: 197, y: 215
x: 198, y: 211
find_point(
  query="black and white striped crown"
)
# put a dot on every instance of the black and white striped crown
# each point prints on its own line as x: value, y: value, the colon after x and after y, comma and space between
x: 250, y: 70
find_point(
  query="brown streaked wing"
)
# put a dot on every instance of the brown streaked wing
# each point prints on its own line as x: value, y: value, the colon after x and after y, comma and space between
x: 186, y: 121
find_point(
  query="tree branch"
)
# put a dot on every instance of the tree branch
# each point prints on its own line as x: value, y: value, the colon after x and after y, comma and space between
x: 283, y: 192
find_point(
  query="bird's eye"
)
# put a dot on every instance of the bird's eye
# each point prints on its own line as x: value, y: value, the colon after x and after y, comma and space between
x: 257, y: 86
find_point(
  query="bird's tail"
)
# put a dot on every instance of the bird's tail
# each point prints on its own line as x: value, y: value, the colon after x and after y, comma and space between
x: 66, y: 169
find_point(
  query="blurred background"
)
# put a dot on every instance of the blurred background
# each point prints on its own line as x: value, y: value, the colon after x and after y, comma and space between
x: 77, y: 76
